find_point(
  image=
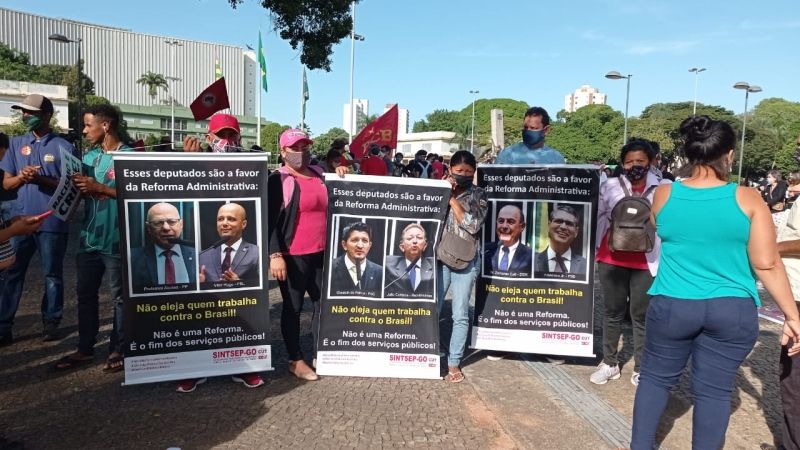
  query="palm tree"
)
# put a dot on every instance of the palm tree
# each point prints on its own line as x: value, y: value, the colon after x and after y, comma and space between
x: 153, y: 81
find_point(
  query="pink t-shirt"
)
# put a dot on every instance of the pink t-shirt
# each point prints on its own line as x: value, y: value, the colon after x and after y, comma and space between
x: 311, y: 227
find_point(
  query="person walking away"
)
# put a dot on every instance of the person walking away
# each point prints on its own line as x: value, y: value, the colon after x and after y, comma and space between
x: 715, y: 238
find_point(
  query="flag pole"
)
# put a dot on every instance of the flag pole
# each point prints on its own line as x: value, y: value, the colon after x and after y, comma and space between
x: 258, y: 96
x: 302, y: 102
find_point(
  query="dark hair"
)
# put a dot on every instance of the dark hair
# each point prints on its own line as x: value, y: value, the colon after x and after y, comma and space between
x: 706, y: 142
x: 539, y: 111
x: 106, y: 113
x: 398, y: 154
x: 338, y: 144
x: 421, y: 152
x: 386, y: 148
x: 374, y: 149
x: 636, y: 146
x: 571, y: 210
x: 332, y: 155
x: 775, y: 174
x: 463, y: 157
x: 356, y: 226
x: 4, y: 143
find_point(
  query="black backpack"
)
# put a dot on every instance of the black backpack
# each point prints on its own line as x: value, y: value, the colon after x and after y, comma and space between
x: 631, y: 229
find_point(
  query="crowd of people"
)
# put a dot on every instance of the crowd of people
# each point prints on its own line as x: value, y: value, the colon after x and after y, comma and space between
x: 688, y: 283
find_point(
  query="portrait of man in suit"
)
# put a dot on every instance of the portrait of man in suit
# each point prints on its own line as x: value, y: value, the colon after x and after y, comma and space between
x: 558, y: 257
x: 508, y: 256
x: 352, y: 274
x: 410, y: 275
x: 165, y: 260
x: 231, y: 258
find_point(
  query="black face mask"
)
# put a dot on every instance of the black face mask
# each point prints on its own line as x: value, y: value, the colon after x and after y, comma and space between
x: 636, y: 173
x: 462, y: 181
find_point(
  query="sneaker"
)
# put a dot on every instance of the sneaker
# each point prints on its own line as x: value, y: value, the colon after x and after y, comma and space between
x: 604, y: 373
x: 554, y: 361
x: 50, y: 332
x: 249, y: 380
x: 495, y: 356
x: 5, y: 340
x: 185, y: 386
x: 635, y: 379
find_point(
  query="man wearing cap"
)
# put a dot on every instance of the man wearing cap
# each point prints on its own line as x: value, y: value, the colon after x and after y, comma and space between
x: 32, y: 168
x: 373, y: 164
x: 224, y: 136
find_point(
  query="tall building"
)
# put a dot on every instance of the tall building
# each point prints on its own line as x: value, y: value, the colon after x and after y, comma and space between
x: 584, y: 95
x: 361, y: 110
x: 114, y: 58
x: 402, y: 118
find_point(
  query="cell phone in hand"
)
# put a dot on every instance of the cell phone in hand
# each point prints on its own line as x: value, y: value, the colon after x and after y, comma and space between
x: 44, y: 215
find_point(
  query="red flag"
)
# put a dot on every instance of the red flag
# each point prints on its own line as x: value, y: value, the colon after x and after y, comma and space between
x: 211, y: 100
x: 381, y: 131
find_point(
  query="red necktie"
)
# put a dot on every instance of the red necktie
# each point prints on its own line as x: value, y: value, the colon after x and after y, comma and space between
x: 226, y: 263
x: 169, y: 268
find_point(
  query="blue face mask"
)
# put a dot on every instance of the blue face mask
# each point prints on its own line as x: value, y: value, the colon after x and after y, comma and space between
x: 532, y: 137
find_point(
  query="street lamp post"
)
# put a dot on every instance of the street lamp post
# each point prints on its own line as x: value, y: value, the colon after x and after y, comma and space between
x: 65, y: 40
x: 172, y: 44
x: 353, y: 38
x: 747, y: 90
x: 696, y: 73
x: 472, y: 133
x: 614, y: 75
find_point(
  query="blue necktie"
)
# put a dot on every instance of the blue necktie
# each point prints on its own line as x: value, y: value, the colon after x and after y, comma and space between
x: 412, y: 277
x: 504, y: 260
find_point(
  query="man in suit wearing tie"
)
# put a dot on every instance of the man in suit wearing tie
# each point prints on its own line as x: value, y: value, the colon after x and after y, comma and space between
x: 558, y: 257
x: 352, y: 274
x: 231, y: 258
x: 163, y: 261
x: 508, y: 256
x: 410, y: 275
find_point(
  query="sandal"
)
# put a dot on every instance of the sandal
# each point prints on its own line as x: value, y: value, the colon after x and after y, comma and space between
x: 70, y: 362
x: 454, y: 377
x: 114, y: 364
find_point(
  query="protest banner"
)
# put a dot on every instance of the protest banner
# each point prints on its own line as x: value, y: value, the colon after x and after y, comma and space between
x: 193, y: 307
x: 379, y: 316
x: 534, y: 292
x: 67, y: 196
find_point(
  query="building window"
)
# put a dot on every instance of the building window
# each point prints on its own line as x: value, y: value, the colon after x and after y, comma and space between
x: 165, y: 122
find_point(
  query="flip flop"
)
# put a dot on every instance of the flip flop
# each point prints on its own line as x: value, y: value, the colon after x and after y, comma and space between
x: 114, y: 364
x: 69, y: 363
x: 454, y: 377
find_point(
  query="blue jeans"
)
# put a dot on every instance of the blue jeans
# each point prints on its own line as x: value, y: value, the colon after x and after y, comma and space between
x: 91, y: 267
x: 461, y: 282
x: 718, y: 334
x: 52, y: 247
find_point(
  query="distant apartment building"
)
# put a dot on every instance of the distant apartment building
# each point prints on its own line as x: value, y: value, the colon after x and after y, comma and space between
x: 584, y: 95
x: 350, y: 117
x: 402, y: 118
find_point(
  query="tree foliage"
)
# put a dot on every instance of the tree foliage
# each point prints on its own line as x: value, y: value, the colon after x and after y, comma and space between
x: 270, y: 133
x: 592, y: 133
x: 322, y: 143
x: 312, y: 25
x: 153, y: 81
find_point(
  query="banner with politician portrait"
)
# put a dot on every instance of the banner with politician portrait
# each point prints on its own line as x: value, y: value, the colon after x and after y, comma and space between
x: 379, y: 315
x: 193, y: 246
x: 534, y: 291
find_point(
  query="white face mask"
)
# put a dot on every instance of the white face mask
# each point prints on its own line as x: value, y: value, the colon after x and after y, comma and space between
x: 223, y: 146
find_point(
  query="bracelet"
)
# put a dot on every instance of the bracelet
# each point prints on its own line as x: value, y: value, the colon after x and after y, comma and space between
x: 276, y: 255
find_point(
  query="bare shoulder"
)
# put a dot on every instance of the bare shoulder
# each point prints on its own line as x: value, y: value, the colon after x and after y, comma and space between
x: 749, y: 199
x: 661, y: 195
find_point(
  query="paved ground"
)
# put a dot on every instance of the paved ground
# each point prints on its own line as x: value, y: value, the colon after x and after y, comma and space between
x: 513, y: 403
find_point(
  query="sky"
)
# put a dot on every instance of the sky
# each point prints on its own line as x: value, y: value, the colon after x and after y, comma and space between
x: 428, y: 54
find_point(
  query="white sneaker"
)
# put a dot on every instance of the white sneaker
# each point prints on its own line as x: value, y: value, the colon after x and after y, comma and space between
x: 495, y: 356
x: 553, y: 360
x: 604, y: 373
x: 635, y: 379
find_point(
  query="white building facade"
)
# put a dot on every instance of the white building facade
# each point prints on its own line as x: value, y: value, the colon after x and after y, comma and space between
x: 350, y: 116
x: 584, y: 95
x: 115, y: 58
x: 439, y: 142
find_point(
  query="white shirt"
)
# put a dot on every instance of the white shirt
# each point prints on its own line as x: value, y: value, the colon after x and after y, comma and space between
x: 551, y: 259
x: 234, y: 247
x: 351, y: 269
x: 511, y: 251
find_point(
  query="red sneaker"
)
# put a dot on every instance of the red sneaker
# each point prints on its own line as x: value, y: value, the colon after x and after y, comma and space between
x: 250, y: 380
x: 185, y: 386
